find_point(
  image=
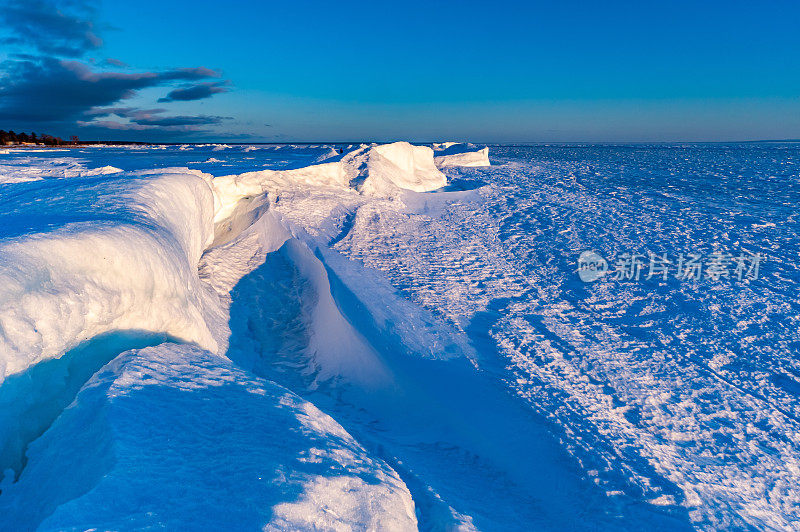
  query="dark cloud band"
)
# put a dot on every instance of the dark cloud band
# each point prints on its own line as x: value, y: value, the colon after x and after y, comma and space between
x: 51, y: 90
x: 65, y: 29
x: 43, y: 82
x: 199, y: 91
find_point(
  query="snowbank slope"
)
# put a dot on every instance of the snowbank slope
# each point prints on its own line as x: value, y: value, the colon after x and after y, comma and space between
x: 174, y: 436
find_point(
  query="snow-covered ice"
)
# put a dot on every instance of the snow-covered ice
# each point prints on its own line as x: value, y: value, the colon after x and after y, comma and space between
x: 394, y: 337
x: 453, y: 154
x: 174, y: 436
x: 401, y: 165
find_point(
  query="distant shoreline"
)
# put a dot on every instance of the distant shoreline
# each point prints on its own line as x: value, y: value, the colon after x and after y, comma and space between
x: 98, y: 143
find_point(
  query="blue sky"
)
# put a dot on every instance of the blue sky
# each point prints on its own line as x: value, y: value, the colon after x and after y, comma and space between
x: 480, y: 71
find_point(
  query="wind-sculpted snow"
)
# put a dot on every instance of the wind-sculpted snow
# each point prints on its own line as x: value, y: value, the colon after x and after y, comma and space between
x: 120, y: 258
x: 681, y: 393
x: 87, y: 256
x: 404, y: 166
x: 453, y: 154
x: 164, y: 333
x: 82, y: 257
x: 25, y: 168
x: 173, y: 436
x: 384, y: 170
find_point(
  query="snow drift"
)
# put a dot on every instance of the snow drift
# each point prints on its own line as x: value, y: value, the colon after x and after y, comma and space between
x: 120, y: 252
x: 82, y: 257
x: 506, y: 406
x: 139, y: 268
x: 133, y: 452
x: 401, y: 165
x: 96, y: 265
x: 454, y: 154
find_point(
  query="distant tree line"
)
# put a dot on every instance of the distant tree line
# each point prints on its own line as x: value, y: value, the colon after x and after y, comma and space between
x: 7, y: 137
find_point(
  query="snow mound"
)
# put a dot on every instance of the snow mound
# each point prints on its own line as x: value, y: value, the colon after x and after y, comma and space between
x: 437, y: 146
x: 230, y: 189
x: 119, y: 251
x: 103, y: 170
x: 132, y: 452
x: 385, y: 169
x: 330, y: 153
x: 82, y: 257
x: 33, y: 168
x: 381, y: 170
x: 453, y: 154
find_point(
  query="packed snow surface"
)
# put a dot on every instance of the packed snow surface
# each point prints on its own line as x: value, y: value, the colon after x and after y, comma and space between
x: 394, y: 337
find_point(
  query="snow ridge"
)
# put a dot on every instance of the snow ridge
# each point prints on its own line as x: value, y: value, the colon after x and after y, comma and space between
x: 148, y: 256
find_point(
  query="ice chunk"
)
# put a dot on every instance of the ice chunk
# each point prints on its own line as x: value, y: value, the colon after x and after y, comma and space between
x: 103, y: 170
x: 388, y: 168
x: 453, y: 154
x: 33, y: 168
x: 438, y: 146
x: 382, y: 170
x: 230, y: 189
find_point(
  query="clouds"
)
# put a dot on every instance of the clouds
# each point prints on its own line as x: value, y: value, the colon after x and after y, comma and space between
x: 49, y: 90
x: 64, y: 30
x: 194, y: 92
x: 181, y: 121
x: 44, y: 81
x: 149, y: 119
x: 115, y: 62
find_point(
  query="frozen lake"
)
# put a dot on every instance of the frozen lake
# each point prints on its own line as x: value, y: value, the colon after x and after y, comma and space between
x: 377, y: 350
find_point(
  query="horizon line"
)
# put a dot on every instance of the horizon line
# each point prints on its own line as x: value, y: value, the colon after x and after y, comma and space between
x: 371, y: 141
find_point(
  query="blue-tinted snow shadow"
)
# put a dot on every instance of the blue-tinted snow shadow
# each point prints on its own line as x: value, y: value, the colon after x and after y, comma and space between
x: 209, y: 458
x: 31, y: 400
x: 461, y: 185
x: 197, y: 457
x: 519, y: 449
x: 444, y: 426
x: 637, y: 509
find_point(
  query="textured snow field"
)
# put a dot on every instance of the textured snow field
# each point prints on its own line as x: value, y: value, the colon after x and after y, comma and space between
x: 283, y: 337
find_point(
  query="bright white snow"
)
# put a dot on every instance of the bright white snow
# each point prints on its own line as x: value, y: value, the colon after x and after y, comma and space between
x: 290, y: 337
x: 174, y: 436
x: 89, y: 258
x: 453, y: 154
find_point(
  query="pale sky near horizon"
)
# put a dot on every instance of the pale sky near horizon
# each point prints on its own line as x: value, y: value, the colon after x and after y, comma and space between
x: 347, y: 71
